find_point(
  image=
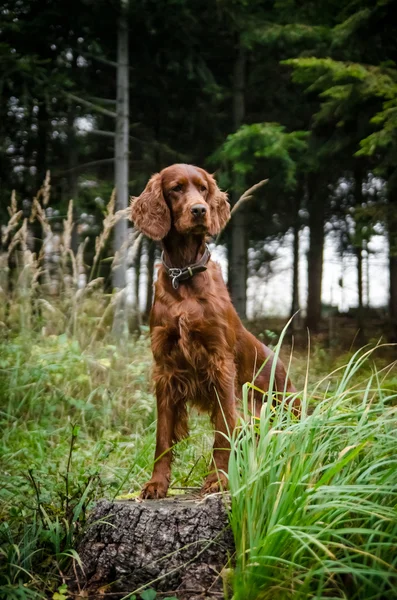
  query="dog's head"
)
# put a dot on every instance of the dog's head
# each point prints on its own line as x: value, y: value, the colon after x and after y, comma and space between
x: 184, y: 197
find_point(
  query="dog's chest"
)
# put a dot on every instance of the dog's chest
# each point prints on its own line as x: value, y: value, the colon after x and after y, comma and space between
x: 191, y: 334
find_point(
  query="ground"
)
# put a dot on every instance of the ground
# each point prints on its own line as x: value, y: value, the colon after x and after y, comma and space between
x: 78, y: 425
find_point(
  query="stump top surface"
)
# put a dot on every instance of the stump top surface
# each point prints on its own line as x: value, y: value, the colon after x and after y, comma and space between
x: 189, y: 500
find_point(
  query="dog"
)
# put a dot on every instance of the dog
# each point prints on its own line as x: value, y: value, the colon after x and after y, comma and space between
x: 202, y: 352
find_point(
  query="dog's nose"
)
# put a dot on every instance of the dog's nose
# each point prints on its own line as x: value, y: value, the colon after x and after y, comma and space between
x: 198, y: 210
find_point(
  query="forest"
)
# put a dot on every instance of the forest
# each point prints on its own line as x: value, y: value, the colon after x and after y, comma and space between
x: 293, y: 107
x: 302, y: 95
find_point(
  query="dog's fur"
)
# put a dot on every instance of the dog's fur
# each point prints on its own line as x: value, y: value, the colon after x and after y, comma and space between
x: 202, y: 353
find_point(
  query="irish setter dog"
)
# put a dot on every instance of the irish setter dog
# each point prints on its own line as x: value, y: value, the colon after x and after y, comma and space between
x: 202, y: 353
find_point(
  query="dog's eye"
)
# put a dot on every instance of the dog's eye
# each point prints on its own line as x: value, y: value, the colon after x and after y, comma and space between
x: 203, y: 188
x: 177, y: 188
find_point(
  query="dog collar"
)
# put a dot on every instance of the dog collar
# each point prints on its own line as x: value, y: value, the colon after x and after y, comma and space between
x: 178, y: 275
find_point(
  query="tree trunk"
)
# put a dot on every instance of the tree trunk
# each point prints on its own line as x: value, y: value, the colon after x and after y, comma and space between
x: 137, y: 266
x: 72, y: 186
x: 237, y: 270
x: 358, y: 199
x: 43, y: 120
x: 360, y: 307
x: 295, y: 305
x: 177, y: 545
x: 316, y: 205
x: 151, y: 251
x: 121, y: 142
x: 367, y: 277
x: 392, y: 236
x: 393, y: 292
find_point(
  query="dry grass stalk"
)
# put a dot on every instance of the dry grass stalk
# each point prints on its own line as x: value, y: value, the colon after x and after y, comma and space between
x: 30, y: 273
x: 95, y: 283
x: 68, y: 228
x: 39, y: 213
x: 74, y: 267
x: 109, y: 222
x: 243, y: 198
x: 12, y: 209
x: 36, y: 275
x: 11, y: 225
x: 4, y: 281
x: 46, y: 188
x: 69, y: 279
x: 247, y: 195
x: 114, y: 300
x: 20, y: 237
x: 79, y: 266
x: 15, y: 217
x: 49, y: 307
x: 130, y: 246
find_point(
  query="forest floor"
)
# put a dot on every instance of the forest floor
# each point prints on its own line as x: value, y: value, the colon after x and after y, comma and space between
x: 78, y: 424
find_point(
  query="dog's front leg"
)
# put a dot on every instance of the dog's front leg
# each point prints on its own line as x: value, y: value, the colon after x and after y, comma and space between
x: 158, y: 485
x: 224, y: 418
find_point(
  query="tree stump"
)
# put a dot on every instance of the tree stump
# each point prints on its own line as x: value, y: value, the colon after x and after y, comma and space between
x: 177, y: 546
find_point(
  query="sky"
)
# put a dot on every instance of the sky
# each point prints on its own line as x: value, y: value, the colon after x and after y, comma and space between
x: 272, y: 297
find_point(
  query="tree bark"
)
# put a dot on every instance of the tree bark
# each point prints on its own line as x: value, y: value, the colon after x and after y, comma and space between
x: 72, y: 177
x: 316, y: 205
x: 237, y: 270
x: 177, y: 545
x: 295, y: 304
x: 393, y: 294
x: 358, y: 199
x: 392, y: 237
x: 121, y: 141
x: 137, y: 266
x: 151, y: 251
x: 359, y: 257
x: 42, y: 163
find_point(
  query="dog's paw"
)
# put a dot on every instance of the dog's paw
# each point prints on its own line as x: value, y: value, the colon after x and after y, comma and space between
x: 214, y: 483
x: 155, y: 489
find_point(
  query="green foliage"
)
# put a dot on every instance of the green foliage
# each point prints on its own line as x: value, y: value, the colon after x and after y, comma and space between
x: 345, y: 89
x: 288, y: 36
x: 76, y: 426
x: 269, y: 143
x: 313, y: 499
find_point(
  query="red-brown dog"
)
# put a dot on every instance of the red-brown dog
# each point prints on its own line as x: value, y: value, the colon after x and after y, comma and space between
x: 202, y: 353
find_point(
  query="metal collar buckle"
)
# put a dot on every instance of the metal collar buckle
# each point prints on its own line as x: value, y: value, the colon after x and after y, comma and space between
x: 175, y: 273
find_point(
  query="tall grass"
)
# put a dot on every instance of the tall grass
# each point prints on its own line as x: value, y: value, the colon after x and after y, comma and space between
x: 314, y: 498
x: 77, y: 425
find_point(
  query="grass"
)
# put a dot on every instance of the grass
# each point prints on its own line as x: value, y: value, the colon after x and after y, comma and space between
x: 76, y: 426
x: 313, y: 499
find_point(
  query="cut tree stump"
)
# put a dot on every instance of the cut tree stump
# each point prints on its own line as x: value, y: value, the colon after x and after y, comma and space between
x: 177, y: 546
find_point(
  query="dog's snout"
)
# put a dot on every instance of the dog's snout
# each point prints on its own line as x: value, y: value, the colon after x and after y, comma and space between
x: 198, y: 210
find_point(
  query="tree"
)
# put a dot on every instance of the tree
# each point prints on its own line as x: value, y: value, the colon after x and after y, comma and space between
x: 121, y: 144
x: 267, y: 148
x: 359, y: 98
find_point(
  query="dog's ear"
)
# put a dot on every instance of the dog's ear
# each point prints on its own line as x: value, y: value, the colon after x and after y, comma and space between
x: 149, y: 211
x: 220, y: 207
